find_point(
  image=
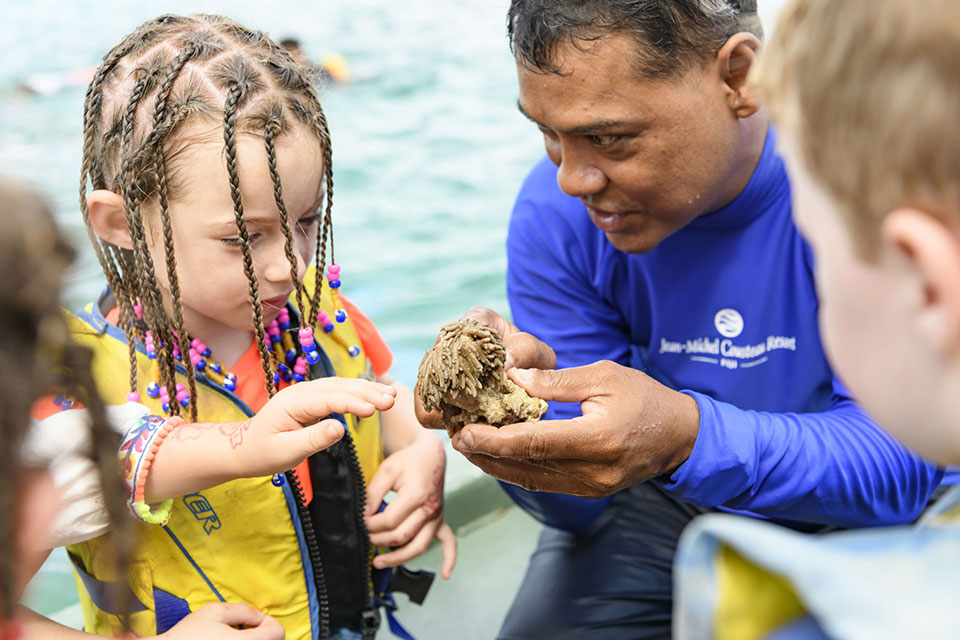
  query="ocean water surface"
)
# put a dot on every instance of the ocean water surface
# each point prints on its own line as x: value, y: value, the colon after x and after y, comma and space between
x: 429, y: 149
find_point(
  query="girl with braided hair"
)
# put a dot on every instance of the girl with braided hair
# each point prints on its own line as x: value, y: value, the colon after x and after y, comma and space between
x: 210, y: 164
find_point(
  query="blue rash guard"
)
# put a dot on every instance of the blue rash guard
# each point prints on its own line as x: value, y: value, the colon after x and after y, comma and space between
x: 724, y: 310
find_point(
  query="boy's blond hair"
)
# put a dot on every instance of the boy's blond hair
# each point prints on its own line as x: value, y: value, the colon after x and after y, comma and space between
x: 871, y: 90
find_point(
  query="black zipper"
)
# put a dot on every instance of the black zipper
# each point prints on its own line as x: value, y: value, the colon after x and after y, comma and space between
x: 313, y: 551
x: 370, y: 615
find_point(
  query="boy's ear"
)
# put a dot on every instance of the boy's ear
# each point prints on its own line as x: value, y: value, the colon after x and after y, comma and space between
x: 932, y: 248
x: 734, y: 60
x: 108, y: 218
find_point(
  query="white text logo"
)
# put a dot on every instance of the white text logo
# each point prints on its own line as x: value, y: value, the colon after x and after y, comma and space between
x: 729, y: 323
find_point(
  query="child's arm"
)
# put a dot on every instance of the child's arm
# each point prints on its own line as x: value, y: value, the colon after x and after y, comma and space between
x: 414, y: 468
x: 214, y: 622
x: 287, y: 430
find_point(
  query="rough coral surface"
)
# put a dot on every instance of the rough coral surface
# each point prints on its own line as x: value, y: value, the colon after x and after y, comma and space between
x: 462, y: 375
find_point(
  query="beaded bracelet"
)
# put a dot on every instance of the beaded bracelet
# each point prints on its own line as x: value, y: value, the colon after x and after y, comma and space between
x: 137, y: 451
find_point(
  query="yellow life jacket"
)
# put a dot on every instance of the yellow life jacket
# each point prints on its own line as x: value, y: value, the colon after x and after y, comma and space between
x: 242, y: 541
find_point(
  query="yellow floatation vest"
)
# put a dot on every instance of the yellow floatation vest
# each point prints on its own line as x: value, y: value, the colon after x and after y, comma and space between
x: 242, y: 541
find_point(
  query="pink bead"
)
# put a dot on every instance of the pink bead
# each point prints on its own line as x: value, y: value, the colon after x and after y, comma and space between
x: 306, y: 336
x: 182, y: 394
x: 180, y: 387
x: 164, y: 396
x: 138, y: 309
x: 300, y: 366
x: 195, y: 358
x: 133, y: 396
x: 334, y: 268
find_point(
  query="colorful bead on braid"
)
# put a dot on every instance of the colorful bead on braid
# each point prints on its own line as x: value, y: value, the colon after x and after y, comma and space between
x: 63, y: 402
x: 289, y: 352
x: 283, y: 319
x: 149, y: 347
x: 309, y: 345
x: 340, y: 314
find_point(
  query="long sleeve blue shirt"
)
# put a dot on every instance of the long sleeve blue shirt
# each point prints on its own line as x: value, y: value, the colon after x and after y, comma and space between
x: 725, y: 310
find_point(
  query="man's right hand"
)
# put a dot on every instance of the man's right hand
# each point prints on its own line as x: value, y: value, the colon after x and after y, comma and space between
x: 524, y: 351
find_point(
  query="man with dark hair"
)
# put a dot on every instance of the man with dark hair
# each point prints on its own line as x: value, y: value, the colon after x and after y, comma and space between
x: 654, y: 251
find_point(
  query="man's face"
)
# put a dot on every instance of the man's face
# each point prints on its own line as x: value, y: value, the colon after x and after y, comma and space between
x: 645, y: 156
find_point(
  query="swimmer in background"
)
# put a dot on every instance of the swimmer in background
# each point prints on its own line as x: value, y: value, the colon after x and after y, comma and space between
x: 332, y: 69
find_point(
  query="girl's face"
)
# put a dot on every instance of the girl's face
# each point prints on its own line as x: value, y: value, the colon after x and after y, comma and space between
x: 214, y: 290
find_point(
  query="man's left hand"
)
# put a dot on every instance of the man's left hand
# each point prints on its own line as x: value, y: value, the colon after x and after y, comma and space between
x: 632, y: 429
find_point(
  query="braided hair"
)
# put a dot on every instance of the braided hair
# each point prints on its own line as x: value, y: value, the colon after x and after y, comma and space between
x: 36, y: 357
x: 169, y: 71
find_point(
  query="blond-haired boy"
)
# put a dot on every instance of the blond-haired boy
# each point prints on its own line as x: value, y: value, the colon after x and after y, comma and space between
x: 866, y: 94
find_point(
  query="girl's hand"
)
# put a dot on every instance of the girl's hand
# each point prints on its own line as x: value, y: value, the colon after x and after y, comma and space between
x: 219, y: 621
x: 415, y: 516
x: 286, y: 430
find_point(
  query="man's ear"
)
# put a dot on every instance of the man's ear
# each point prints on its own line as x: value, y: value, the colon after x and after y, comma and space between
x: 108, y: 219
x: 734, y: 61
x: 931, y: 248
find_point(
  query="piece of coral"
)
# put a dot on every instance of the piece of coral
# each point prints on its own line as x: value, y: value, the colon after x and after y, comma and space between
x: 462, y: 375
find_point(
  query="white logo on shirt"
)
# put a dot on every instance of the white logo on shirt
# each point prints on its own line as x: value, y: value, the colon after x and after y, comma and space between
x: 729, y: 323
x: 724, y: 351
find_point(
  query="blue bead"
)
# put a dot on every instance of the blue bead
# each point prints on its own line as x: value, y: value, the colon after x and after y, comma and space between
x: 207, y: 353
x: 152, y: 355
x: 291, y: 355
x: 313, y: 357
x: 215, y: 367
x: 153, y: 390
x: 66, y: 404
x: 231, y: 375
x: 284, y: 326
x: 341, y: 315
x: 58, y: 399
x: 179, y: 357
x: 185, y: 402
x: 277, y: 480
x: 298, y: 377
x: 328, y: 327
x: 276, y: 379
x: 275, y: 338
x: 287, y: 376
x: 354, y: 351
x: 335, y: 284
x: 230, y: 385
x: 201, y: 364
x: 166, y: 407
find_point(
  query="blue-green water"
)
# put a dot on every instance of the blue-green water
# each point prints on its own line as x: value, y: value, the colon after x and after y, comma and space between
x: 429, y: 148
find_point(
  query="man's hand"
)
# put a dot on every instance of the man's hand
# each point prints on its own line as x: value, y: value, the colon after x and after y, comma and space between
x: 415, y: 516
x: 523, y: 351
x: 220, y: 621
x: 632, y: 429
